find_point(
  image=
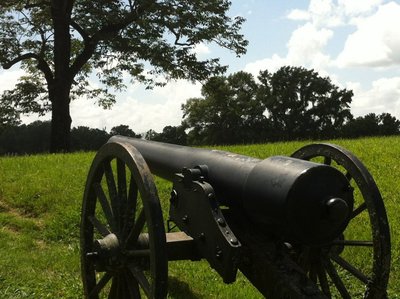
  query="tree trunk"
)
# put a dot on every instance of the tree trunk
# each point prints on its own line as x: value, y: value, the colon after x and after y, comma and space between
x: 60, y: 121
x: 60, y: 88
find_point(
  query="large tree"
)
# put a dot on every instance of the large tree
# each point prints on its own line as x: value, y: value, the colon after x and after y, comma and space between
x: 228, y: 112
x: 124, y: 130
x: 292, y: 103
x: 59, y: 43
x: 302, y: 104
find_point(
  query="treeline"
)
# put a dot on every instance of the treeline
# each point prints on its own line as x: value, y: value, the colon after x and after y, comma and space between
x: 291, y: 104
x: 35, y: 138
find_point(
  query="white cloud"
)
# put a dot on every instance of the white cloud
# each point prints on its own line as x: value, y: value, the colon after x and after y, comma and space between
x: 299, y: 15
x: 357, y: 7
x: 383, y: 96
x: 271, y: 64
x: 329, y: 13
x: 201, y: 49
x: 376, y: 42
x: 321, y: 13
x: 306, y: 46
x: 141, y: 109
x: 138, y: 114
x: 324, y: 13
x: 9, y: 78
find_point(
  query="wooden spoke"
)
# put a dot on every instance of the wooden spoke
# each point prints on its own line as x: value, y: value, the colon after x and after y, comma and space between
x: 358, y: 210
x: 100, y: 227
x: 133, y: 190
x: 142, y: 280
x: 327, y: 160
x: 129, y: 212
x: 350, y: 268
x: 353, y: 243
x: 132, y: 285
x: 112, y: 190
x: 105, y: 206
x: 330, y: 269
x: 123, y: 286
x: 138, y: 227
x: 121, y: 172
x: 323, y: 280
x: 115, y: 287
x: 100, y: 285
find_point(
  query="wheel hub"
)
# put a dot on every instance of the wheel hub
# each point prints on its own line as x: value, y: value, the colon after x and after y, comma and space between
x: 106, y: 254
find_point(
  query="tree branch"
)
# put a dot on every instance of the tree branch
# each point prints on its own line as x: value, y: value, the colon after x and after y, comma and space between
x: 80, y: 30
x: 109, y: 29
x: 10, y: 63
x: 92, y: 42
x: 83, y: 57
x: 42, y: 64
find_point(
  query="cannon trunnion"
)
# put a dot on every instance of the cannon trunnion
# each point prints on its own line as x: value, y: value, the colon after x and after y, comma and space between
x: 285, y: 222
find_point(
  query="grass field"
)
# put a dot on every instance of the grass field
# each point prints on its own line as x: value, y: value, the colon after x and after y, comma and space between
x: 40, y: 203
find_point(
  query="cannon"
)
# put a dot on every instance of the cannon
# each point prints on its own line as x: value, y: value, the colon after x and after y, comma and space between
x: 287, y: 223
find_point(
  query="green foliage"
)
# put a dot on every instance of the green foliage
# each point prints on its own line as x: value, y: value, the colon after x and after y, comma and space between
x: 40, y: 202
x: 87, y: 139
x: 34, y: 138
x: 372, y: 125
x: 124, y: 130
x: 8, y: 116
x: 28, y: 96
x: 301, y: 103
x: 229, y: 112
x: 25, y: 139
x: 59, y: 43
x: 170, y: 134
x: 293, y: 103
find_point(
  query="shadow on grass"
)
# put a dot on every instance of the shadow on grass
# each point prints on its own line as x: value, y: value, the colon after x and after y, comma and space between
x: 181, y: 290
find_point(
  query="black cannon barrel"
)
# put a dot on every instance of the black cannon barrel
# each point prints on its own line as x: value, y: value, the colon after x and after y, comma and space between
x: 302, y: 201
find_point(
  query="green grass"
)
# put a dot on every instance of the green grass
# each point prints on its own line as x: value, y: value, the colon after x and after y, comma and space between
x: 40, y: 203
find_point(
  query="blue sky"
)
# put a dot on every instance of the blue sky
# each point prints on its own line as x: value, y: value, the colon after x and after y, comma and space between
x: 354, y: 42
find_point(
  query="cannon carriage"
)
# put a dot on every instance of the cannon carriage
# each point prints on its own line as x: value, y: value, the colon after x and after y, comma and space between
x: 284, y: 222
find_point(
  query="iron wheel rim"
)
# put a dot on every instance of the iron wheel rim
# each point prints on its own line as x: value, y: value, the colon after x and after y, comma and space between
x: 376, y: 283
x: 137, y: 213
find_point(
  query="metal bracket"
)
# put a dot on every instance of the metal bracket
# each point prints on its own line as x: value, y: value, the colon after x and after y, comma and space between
x: 195, y: 210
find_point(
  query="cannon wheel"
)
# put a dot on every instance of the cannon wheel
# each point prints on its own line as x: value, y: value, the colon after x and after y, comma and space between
x: 121, y: 207
x: 331, y: 266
